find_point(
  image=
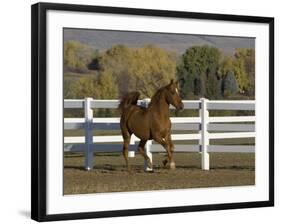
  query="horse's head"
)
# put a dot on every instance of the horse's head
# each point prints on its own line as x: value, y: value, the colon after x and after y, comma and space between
x: 173, y: 96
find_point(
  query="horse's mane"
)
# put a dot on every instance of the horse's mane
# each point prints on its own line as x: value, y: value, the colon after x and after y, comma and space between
x: 156, y: 97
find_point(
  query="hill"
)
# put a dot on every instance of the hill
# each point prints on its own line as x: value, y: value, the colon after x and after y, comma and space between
x: 102, y: 40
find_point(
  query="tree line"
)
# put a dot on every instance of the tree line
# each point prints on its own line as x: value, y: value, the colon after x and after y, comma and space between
x: 206, y: 72
x: 203, y: 71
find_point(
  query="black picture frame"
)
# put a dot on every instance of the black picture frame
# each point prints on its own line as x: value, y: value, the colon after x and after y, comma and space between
x: 39, y: 108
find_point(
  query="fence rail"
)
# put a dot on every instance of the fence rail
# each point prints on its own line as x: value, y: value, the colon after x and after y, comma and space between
x: 207, y: 128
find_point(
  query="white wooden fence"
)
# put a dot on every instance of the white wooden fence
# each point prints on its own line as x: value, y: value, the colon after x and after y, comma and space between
x: 224, y: 127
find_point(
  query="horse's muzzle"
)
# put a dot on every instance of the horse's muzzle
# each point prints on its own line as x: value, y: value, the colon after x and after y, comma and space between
x: 180, y: 107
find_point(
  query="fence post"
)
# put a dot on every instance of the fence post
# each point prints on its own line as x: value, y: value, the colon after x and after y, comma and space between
x: 148, y: 143
x: 204, y: 141
x: 88, y: 112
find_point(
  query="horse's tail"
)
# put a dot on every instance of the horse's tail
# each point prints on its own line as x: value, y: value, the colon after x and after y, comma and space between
x: 128, y: 100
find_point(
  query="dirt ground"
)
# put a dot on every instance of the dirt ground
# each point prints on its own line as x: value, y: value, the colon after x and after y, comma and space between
x: 110, y: 174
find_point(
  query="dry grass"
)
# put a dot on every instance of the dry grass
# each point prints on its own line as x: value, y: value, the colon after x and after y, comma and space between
x: 110, y: 174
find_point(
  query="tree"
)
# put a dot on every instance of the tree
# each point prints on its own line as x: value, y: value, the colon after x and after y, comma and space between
x: 143, y: 69
x: 242, y: 65
x: 187, y: 82
x: 199, y: 87
x: 213, y: 87
x: 107, y: 86
x: 117, y: 61
x: 199, y: 65
x: 86, y: 86
x: 226, y: 65
x: 77, y: 56
x: 152, y: 68
x: 68, y: 89
x: 245, y: 58
x: 229, y: 85
x: 97, y: 86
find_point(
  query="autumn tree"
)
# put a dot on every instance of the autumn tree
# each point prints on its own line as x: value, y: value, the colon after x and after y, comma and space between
x: 143, y: 69
x: 227, y: 63
x: 245, y: 73
x: 77, y: 56
x: 242, y: 65
x: 101, y: 86
x: 107, y: 87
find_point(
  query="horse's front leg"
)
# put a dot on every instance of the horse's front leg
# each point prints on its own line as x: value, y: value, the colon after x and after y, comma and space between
x: 172, y: 164
x: 166, y: 144
x: 172, y: 149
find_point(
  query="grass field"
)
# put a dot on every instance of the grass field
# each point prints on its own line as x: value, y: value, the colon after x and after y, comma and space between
x: 110, y: 174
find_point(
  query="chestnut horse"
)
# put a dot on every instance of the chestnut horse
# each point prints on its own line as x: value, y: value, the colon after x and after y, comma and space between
x: 149, y: 123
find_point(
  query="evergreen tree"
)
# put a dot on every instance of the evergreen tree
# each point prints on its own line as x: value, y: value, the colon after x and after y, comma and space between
x: 229, y: 85
x: 199, y: 65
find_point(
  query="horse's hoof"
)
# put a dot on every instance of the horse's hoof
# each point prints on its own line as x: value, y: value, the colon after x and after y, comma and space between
x: 149, y: 170
x: 164, y: 162
x: 129, y: 169
x: 172, y: 165
x: 149, y: 164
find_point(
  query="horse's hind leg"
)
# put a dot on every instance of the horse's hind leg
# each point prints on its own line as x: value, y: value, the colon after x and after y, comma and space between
x: 126, y: 138
x: 142, y: 152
